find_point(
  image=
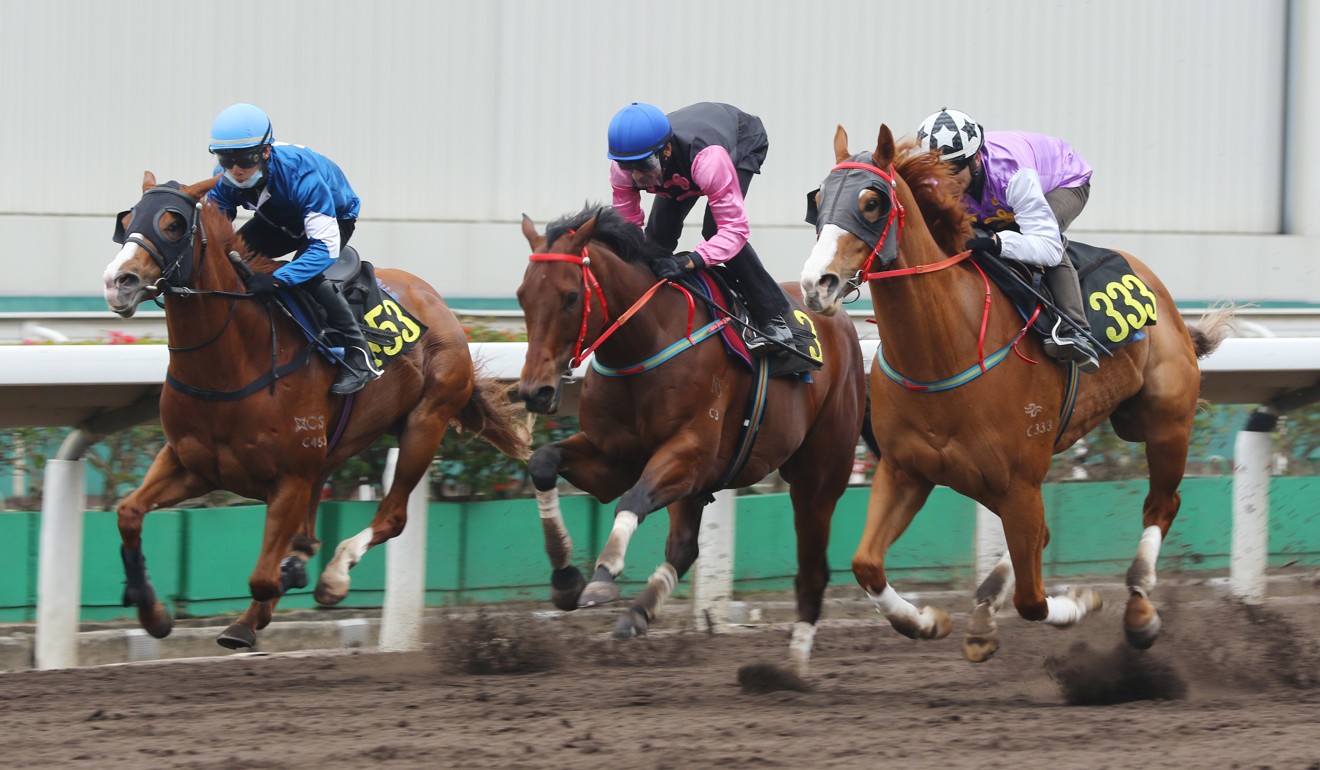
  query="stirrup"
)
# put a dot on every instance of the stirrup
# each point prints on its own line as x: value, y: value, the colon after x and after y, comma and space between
x: 1074, y: 347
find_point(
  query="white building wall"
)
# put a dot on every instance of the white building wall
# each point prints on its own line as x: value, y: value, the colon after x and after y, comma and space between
x: 454, y: 118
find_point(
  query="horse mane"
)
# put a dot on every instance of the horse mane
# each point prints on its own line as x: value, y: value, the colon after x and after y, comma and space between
x: 220, y: 229
x: 931, y: 181
x: 623, y: 237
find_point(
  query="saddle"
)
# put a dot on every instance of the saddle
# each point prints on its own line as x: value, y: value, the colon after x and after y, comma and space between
x: 1119, y: 305
x: 713, y: 285
x: 388, y: 327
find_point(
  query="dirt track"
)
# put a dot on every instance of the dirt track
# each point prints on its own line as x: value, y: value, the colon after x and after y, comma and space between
x: 1231, y: 687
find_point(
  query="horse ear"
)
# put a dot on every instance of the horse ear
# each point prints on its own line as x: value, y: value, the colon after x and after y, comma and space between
x: 583, y: 234
x: 840, y: 145
x: 199, y: 190
x: 884, y: 148
x: 148, y: 180
x: 529, y: 232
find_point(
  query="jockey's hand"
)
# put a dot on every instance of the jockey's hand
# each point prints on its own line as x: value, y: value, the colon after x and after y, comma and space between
x: 674, y: 266
x: 262, y: 283
x: 988, y: 244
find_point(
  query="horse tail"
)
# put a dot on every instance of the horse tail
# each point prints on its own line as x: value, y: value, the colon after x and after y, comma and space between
x: 1212, y: 329
x: 868, y: 431
x: 490, y: 414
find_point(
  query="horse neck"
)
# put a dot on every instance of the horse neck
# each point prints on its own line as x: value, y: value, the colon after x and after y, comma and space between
x: 930, y: 323
x: 659, y: 322
x: 203, y: 319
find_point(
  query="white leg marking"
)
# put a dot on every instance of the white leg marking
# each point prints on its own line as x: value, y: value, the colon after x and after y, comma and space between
x: 558, y: 544
x: 1148, y: 551
x: 1064, y: 611
x: 799, y: 648
x: 347, y: 555
x: 611, y: 558
x: 892, y: 606
x: 662, y: 582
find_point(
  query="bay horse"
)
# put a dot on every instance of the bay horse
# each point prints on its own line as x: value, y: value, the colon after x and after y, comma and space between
x: 989, y: 433
x: 246, y: 409
x: 660, y: 431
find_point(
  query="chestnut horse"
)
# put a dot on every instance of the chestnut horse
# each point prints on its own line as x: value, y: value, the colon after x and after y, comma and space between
x: 990, y: 435
x: 278, y: 441
x: 667, y: 431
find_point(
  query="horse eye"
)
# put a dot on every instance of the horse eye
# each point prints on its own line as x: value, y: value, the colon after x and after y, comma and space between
x: 570, y: 299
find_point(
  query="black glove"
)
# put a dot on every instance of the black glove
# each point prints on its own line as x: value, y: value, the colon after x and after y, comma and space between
x: 672, y: 267
x: 985, y: 243
x: 262, y: 283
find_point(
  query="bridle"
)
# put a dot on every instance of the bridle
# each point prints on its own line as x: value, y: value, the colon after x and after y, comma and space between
x: 883, y: 249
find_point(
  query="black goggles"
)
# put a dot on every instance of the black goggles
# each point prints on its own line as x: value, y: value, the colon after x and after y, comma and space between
x: 240, y: 158
x: 649, y: 163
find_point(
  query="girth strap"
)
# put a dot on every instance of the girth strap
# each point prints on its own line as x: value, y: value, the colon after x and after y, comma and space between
x: 267, y: 378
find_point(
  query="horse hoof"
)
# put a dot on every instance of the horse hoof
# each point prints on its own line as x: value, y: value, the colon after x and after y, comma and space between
x: 632, y: 625
x: 327, y: 596
x: 293, y: 574
x: 597, y: 594
x: 1087, y: 598
x: 565, y: 587
x: 1141, y: 622
x: 937, y: 621
x: 156, y: 620
x: 979, y: 648
x: 237, y: 637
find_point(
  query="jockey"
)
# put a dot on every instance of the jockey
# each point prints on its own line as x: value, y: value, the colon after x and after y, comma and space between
x: 1025, y: 189
x: 303, y: 204
x: 706, y: 149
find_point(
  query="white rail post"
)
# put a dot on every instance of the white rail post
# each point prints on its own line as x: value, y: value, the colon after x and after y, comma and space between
x: 405, y: 569
x: 1251, y: 508
x: 59, y: 570
x: 712, y: 575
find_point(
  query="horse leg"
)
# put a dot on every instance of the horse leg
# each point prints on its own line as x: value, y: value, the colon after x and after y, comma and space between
x: 418, y: 442
x: 814, y: 500
x: 167, y: 482
x: 980, y: 641
x: 285, y: 515
x: 680, y: 552
x: 1022, y: 512
x: 666, y: 478
x: 1166, y: 454
x: 896, y: 496
x: 578, y: 460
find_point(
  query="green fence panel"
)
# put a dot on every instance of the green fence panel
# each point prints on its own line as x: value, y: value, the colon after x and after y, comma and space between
x: 504, y: 547
x: 219, y: 548
x: 103, y: 569
x: 1294, y: 520
x: 338, y: 522
x: 18, y: 559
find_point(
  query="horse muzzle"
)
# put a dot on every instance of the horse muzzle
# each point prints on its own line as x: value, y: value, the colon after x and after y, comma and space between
x: 822, y: 293
x: 542, y: 399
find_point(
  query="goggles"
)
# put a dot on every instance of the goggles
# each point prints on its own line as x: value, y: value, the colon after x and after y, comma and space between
x: 645, y: 165
x: 242, y: 158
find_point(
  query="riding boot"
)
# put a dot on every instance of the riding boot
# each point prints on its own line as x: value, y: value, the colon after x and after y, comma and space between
x: 357, y: 369
x: 765, y: 301
x: 1066, y: 343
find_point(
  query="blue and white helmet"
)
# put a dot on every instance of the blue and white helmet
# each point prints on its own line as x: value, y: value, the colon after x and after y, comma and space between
x: 955, y: 134
x: 637, y: 131
x: 239, y: 127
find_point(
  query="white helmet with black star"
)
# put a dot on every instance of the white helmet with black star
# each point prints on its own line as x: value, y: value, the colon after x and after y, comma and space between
x: 955, y: 134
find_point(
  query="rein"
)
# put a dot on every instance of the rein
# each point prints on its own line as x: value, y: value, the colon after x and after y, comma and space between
x: 591, y: 287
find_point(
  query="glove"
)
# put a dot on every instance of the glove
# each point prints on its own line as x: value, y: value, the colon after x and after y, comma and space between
x: 262, y: 283
x: 985, y: 243
x: 672, y: 267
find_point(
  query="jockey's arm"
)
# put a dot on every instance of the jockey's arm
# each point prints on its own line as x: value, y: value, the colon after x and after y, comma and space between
x: 627, y: 199
x: 1038, y: 241
x: 321, y: 228
x: 714, y: 173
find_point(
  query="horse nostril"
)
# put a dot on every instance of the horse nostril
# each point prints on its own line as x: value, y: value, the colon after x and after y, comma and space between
x: 126, y: 280
x: 828, y: 283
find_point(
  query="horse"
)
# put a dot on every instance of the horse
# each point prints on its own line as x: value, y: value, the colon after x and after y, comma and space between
x: 990, y: 432
x: 246, y: 406
x: 660, y: 431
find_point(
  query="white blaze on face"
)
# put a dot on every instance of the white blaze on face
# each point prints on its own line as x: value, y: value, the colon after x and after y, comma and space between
x: 116, y: 265
x: 822, y: 254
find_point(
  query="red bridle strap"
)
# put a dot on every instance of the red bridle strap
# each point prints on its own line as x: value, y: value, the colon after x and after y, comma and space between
x: 591, y: 286
x: 896, y: 210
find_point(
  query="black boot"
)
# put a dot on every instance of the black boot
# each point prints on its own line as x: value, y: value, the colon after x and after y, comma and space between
x: 770, y: 332
x: 1066, y: 343
x: 358, y: 369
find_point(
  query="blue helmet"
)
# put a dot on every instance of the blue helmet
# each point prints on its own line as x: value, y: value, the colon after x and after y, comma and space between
x: 637, y: 131
x: 239, y: 127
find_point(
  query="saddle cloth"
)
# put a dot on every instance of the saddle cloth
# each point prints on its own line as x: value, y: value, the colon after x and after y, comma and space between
x: 1119, y: 305
x: 389, y: 328
x: 710, y: 283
